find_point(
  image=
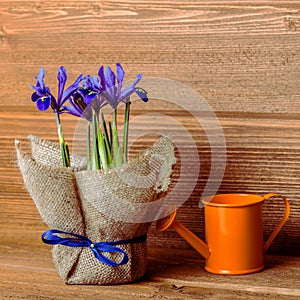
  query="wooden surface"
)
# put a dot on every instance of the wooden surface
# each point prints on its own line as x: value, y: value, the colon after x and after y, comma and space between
x: 242, y: 57
x: 176, y: 274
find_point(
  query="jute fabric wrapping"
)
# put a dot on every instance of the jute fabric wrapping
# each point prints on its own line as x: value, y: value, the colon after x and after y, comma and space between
x: 101, y: 205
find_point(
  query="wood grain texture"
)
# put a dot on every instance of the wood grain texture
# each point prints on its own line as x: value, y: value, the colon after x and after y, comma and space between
x: 249, y: 169
x: 30, y: 274
x: 242, y: 57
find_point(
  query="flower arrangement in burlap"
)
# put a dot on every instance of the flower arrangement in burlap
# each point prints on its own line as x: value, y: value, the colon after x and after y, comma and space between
x: 91, y: 245
x: 98, y: 207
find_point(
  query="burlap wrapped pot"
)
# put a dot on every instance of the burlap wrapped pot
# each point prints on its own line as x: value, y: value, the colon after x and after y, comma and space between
x: 103, y: 206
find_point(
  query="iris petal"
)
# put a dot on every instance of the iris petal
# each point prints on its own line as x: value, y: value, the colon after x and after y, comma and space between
x: 126, y: 93
x: 110, y: 78
x: 72, y: 110
x: 110, y: 88
x: 120, y: 73
x: 96, y: 83
x: 102, y: 77
x: 43, y: 103
x: 71, y: 89
x: 137, y: 79
x: 40, y: 86
x: 88, y: 82
x: 40, y: 78
x: 62, y: 78
x: 90, y: 97
x: 130, y: 89
x: 34, y: 97
x: 142, y: 94
x: 120, y: 76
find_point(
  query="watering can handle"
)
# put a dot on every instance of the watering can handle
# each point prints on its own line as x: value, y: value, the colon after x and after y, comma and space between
x: 282, y: 221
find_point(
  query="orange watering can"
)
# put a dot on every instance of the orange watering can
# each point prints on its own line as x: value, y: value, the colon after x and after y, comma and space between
x: 233, y: 231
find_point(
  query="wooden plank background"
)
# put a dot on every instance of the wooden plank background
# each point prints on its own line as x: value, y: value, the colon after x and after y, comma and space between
x: 167, y: 278
x: 242, y: 57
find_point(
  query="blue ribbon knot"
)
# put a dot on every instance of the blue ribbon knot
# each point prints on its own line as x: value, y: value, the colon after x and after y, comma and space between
x: 50, y: 237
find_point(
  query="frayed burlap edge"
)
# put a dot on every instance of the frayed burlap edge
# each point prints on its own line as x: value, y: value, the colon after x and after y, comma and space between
x: 62, y: 255
x: 54, y: 192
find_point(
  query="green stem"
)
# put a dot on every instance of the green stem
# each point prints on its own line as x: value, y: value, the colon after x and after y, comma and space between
x: 110, y: 133
x: 95, y: 142
x: 115, y: 141
x: 64, y: 149
x: 107, y: 140
x: 88, y: 147
x: 103, y: 123
x: 102, y: 150
x: 125, y: 130
x: 99, y: 148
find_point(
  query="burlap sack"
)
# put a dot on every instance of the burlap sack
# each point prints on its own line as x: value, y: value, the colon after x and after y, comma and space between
x: 102, y: 206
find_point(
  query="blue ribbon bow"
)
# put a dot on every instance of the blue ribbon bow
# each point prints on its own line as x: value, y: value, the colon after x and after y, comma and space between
x: 50, y: 237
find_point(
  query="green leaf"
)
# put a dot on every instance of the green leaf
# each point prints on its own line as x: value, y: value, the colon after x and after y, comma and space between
x: 88, y: 147
x: 95, y: 142
x: 117, y: 154
x: 125, y: 130
x: 64, y: 150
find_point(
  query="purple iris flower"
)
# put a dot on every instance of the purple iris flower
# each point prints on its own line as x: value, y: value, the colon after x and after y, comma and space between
x: 111, y: 86
x: 78, y: 107
x: 85, y: 99
x: 83, y: 102
x: 43, y: 96
x: 92, y: 84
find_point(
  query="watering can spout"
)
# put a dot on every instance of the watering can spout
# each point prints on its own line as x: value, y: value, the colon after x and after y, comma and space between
x: 190, y: 237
